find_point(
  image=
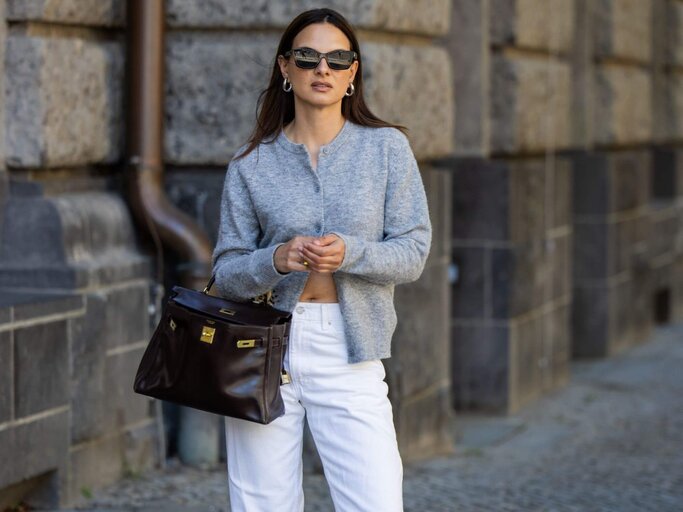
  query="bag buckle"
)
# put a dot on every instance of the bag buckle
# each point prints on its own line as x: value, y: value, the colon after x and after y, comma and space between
x: 207, y: 334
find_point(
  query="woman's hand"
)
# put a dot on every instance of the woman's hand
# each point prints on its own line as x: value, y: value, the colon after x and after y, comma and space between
x: 287, y: 257
x: 323, y: 254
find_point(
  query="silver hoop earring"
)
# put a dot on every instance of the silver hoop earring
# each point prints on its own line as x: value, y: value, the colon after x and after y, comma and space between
x: 284, y: 85
x: 353, y: 89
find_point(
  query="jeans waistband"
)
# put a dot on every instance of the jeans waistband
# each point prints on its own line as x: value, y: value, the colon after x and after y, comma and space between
x: 323, y: 312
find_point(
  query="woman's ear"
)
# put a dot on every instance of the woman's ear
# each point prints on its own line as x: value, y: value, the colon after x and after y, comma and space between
x: 282, y: 62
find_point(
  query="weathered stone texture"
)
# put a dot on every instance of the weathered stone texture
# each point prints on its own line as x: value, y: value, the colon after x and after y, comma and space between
x: 530, y: 104
x: 73, y: 12
x: 114, y: 318
x: 538, y: 24
x: 3, y: 85
x: 623, y: 105
x: 623, y: 28
x: 6, y: 377
x: 93, y: 464
x: 41, y: 368
x: 79, y: 239
x: 416, y: 16
x: 480, y: 365
x: 63, y: 101
x: 674, y: 32
x: 412, y: 85
x: 512, y: 245
x: 214, y: 81
x: 45, y: 439
x: 212, y: 84
x: 467, y: 43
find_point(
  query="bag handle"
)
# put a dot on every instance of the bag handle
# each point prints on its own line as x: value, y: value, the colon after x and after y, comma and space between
x: 209, y: 284
x: 265, y: 298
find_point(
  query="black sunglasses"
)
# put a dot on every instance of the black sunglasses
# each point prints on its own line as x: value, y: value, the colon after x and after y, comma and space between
x: 308, y: 58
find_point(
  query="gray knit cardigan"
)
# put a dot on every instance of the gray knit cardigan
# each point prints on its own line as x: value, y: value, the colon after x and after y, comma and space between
x: 366, y: 188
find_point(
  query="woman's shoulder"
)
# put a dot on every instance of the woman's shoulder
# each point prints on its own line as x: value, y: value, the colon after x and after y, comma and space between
x: 384, y: 135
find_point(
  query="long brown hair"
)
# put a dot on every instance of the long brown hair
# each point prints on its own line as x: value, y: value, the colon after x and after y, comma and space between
x: 275, y: 107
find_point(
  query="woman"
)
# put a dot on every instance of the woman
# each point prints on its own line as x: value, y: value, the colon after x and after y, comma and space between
x: 329, y: 214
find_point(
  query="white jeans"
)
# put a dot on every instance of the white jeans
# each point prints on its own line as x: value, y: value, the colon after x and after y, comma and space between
x: 350, y: 418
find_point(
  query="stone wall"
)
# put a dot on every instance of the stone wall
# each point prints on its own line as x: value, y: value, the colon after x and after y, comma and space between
x: 512, y: 234
x: 627, y: 207
x: 74, y: 317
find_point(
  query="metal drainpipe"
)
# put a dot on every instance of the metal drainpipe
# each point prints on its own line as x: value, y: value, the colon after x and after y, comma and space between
x: 198, y: 432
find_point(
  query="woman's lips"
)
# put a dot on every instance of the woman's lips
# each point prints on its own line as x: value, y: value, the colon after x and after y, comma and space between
x: 321, y: 88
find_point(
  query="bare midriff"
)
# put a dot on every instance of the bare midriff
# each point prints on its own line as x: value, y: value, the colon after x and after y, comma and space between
x: 320, y: 287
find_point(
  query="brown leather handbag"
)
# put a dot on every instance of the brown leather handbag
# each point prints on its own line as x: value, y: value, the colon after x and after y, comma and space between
x: 217, y: 355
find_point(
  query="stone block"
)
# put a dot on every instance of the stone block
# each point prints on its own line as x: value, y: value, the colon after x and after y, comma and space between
x: 674, y: 32
x: 63, y: 100
x: 582, y: 70
x: 527, y: 213
x: 439, y: 188
x: 591, y: 250
x: 623, y: 28
x: 673, y: 106
x: 124, y: 406
x: 470, y: 291
x: 3, y: 44
x: 590, y: 321
x: 562, y: 202
x: 480, y: 366
x: 667, y: 173
x: 96, y: 464
x: 71, y: 12
x: 213, y: 84
x: 623, y: 105
x: 630, y: 179
x: 467, y: 43
x: 420, y: 350
x: 560, y: 254
x: 126, y: 318
x: 34, y: 447
x: 415, y: 16
x: 664, y: 225
x: 6, y: 377
x: 397, y: 91
x: 41, y: 366
x: 88, y: 355
x: 611, y: 182
x: 31, y: 305
x: 560, y: 339
x: 480, y: 200
x: 527, y: 276
x: 69, y: 241
x: 530, y: 104
x: 423, y: 425
x: 527, y: 352
x: 628, y: 237
x: 537, y: 24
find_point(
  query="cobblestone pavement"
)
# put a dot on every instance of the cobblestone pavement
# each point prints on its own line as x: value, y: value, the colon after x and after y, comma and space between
x: 612, y: 440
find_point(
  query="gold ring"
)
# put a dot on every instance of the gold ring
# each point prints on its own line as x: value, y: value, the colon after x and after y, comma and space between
x: 305, y: 263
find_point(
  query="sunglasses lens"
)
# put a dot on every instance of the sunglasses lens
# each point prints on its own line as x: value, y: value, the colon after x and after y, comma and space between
x: 340, y: 59
x: 307, y: 58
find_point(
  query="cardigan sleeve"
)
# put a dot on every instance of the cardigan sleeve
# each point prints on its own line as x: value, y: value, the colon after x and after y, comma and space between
x: 242, y: 269
x: 401, y: 256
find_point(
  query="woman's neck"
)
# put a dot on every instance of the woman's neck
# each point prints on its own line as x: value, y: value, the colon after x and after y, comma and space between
x: 314, y: 131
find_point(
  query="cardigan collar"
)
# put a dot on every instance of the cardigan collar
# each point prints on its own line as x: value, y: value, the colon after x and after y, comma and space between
x: 328, y: 148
